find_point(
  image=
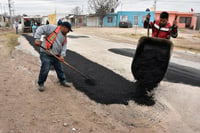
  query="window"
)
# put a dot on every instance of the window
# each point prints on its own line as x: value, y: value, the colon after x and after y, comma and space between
x: 123, y: 18
x: 135, y: 20
x: 182, y: 20
x: 79, y: 20
x: 143, y: 18
x: 110, y: 19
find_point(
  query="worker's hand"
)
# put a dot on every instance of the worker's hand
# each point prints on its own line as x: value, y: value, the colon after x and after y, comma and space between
x: 148, y: 16
x: 61, y: 58
x: 37, y: 43
x: 174, y: 23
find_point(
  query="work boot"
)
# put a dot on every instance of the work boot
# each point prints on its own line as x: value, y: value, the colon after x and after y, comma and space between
x: 65, y: 84
x: 145, y: 100
x: 140, y: 90
x: 41, y: 87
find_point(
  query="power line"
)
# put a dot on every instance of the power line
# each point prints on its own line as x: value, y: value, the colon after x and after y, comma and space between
x: 10, y: 6
x: 182, y: 1
x: 155, y: 1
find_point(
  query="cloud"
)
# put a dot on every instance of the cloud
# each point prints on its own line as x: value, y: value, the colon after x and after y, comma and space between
x: 45, y: 7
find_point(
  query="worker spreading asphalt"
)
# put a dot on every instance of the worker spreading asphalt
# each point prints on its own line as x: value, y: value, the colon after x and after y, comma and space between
x: 109, y: 88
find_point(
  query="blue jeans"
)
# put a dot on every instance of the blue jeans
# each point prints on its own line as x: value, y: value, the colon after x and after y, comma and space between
x: 46, y: 62
x: 16, y: 30
x: 34, y: 30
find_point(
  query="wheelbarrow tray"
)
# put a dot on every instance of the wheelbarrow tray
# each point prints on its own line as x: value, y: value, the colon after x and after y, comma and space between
x: 151, y: 60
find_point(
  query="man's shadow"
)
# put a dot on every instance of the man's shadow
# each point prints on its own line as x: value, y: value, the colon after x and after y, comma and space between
x: 110, y: 88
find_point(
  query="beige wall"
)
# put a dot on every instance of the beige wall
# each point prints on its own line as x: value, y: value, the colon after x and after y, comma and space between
x: 52, y: 19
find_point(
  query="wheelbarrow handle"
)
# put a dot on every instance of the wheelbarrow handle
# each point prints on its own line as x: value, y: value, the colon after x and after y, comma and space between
x: 148, y: 25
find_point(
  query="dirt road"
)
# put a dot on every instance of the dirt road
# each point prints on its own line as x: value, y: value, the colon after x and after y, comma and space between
x: 64, y: 110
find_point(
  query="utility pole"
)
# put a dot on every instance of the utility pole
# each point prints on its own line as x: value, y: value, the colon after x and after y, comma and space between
x: 82, y: 9
x: 155, y: 1
x: 13, y: 9
x: 121, y: 5
x: 1, y: 9
x: 4, y: 10
x: 55, y: 6
x: 9, y: 6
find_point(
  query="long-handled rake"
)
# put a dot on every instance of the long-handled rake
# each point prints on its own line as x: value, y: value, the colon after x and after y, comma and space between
x: 88, y: 80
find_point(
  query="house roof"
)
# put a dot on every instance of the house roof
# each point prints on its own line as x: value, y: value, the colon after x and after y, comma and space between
x: 176, y: 12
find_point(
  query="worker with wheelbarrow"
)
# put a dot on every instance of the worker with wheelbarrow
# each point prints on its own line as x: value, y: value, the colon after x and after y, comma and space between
x: 152, y: 55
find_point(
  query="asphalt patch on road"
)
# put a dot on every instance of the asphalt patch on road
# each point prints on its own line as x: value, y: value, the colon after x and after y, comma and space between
x: 182, y: 74
x: 110, y: 88
x: 77, y: 36
x: 175, y: 73
x: 123, y: 51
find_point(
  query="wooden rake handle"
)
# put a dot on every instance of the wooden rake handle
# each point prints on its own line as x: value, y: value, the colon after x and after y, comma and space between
x: 70, y: 66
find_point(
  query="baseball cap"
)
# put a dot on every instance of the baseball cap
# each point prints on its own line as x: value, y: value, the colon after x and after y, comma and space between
x: 68, y: 25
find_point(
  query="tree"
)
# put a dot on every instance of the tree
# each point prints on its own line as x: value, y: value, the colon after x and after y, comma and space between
x: 102, y: 7
x: 77, y: 10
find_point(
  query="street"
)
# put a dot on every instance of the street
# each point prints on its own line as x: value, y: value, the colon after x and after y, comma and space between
x: 110, y: 67
x: 109, y: 64
x: 109, y: 106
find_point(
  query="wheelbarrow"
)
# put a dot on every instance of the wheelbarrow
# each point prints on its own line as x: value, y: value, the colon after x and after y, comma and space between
x: 151, y: 60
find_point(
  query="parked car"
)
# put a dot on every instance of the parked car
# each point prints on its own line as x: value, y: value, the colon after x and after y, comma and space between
x: 125, y: 24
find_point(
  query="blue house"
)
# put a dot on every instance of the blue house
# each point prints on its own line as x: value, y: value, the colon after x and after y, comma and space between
x: 110, y: 20
x: 135, y: 17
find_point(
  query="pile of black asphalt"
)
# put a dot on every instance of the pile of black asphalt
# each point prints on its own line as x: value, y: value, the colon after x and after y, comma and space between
x: 109, y: 88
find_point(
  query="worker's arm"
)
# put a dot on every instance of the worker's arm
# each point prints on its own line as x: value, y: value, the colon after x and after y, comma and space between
x: 147, y: 21
x: 37, y: 42
x: 63, y: 52
x: 174, y: 31
x: 64, y: 48
x: 41, y: 30
x: 61, y: 58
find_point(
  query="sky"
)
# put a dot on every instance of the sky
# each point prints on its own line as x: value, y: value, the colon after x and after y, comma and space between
x: 45, y: 7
